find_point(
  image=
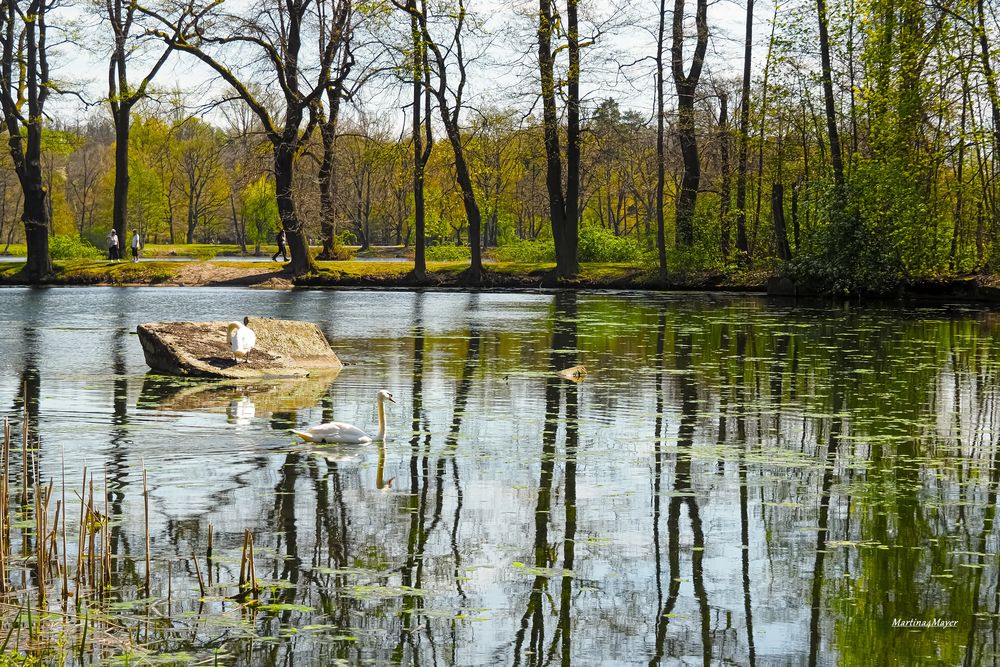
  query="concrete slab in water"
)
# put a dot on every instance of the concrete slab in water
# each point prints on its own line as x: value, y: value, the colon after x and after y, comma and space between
x: 285, y: 348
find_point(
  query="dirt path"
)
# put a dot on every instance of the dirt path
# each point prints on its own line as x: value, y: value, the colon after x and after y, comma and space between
x: 213, y: 273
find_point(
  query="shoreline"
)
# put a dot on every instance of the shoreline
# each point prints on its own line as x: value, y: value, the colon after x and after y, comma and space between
x: 448, y: 276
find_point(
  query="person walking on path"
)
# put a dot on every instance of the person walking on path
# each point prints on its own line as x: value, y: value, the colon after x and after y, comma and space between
x: 280, y: 238
x: 135, y: 246
x: 113, y: 246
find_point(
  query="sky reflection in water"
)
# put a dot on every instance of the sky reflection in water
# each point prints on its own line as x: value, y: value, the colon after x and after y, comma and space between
x: 736, y: 480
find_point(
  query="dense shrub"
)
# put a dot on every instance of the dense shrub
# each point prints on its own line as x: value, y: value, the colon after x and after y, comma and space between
x: 601, y: 245
x: 526, y: 251
x: 448, y: 253
x: 341, y: 253
x: 71, y: 247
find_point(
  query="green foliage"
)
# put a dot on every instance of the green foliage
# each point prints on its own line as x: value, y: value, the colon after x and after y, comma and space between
x: 71, y: 247
x: 601, y: 245
x: 696, y: 259
x: 526, y: 251
x: 260, y: 210
x: 849, y: 257
x: 883, y: 236
x: 448, y: 253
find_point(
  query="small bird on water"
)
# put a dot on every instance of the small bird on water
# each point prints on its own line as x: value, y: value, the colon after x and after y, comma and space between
x: 242, y: 340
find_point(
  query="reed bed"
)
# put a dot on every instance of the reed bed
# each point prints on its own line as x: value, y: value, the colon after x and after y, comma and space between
x: 62, y: 601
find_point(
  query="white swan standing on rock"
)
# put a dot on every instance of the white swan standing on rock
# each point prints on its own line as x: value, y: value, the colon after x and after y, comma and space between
x: 242, y: 339
x: 339, y: 432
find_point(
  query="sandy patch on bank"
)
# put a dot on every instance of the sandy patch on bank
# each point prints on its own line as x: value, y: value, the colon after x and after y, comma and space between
x: 217, y: 273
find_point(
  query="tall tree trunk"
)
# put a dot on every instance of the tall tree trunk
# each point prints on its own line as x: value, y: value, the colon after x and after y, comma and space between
x: 472, y: 212
x: 36, y: 224
x: 959, y: 173
x: 328, y: 165
x: 284, y: 164
x: 327, y: 184
x: 328, y: 230
x: 725, y: 187
x: 661, y: 161
x: 119, y: 207
x: 742, y: 246
x: 778, y: 220
x: 836, y: 154
x: 192, y: 220
x: 26, y: 152
x: 571, y: 220
x: 239, y: 230
x: 421, y: 153
x: 686, y: 85
x: 991, y: 88
x: 564, y: 221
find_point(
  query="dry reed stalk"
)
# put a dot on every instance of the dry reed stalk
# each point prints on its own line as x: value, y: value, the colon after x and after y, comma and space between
x: 53, y: 549
x: 208, y: 555
x: 243, y: 567
x: 65, y: 565
x: 4, y: 499
x: 83, y: 524
x: 39, y: 539
x: 253, y: 568
x: 145, y: 504
x: 24, y: 454
x: 197, y: 571
x: 91, y: 535
x: 106, y: 539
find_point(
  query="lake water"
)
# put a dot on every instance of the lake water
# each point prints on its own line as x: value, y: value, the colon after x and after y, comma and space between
x: 737, y: 480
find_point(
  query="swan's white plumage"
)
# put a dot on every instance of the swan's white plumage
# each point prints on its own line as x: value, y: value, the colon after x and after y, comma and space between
x: 347, y: 434
x: 242, y: 339
x: 334, y: 432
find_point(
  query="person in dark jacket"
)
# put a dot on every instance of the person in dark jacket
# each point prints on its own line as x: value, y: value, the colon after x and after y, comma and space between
x: 280, y: 238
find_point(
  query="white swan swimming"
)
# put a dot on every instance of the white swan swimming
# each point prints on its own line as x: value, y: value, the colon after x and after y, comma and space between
x: 242, y: 339
x: 339, y: 432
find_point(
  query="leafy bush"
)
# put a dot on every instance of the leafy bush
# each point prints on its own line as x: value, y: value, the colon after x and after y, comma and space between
x: 600, y: 245
x: 71, y: 247
x: 857, y: 251
x: 526, y: 251
x: 697, y: 259
x: 448, y: 253
x: 340, y: 253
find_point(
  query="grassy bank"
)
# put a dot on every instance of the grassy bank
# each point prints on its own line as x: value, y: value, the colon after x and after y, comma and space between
x: 374, y: 274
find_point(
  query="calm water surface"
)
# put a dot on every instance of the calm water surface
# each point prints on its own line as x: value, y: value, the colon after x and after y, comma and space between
x: 736, y: 482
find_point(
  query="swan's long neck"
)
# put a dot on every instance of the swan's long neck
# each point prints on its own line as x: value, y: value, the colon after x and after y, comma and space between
x: 381, y: 419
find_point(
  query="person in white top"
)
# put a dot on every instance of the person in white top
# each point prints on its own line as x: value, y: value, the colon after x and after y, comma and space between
x: 135, y: 246
x: 113, y: 246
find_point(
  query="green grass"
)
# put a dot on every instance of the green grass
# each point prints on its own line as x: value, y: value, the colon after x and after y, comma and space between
x: 195, y: 250
x: 15, y: 249
x: 100, y: 271
x: 208, y: 250
x: 498, y: 275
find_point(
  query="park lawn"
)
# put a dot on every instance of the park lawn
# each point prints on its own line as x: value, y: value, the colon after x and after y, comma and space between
x: 497, y: 275
x: 15, y: 250
x: 194, y: 250
x: 98, y: 272
x: 209, y: 250
x: 90, y: 272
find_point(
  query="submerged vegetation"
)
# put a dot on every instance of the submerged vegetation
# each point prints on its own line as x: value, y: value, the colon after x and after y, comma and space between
x: 64, y: 599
